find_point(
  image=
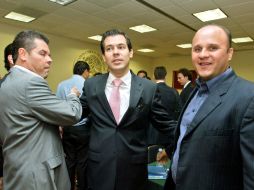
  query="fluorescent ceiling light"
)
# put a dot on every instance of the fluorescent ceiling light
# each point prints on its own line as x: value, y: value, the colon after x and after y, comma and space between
x: 62, y: 2
x: 184, y: 45
x: 209, y: 15
x: 242, y: 40
x: 97, y: 37
x: 146, y: 50
x: 19, y: 17
x: 142, y: 28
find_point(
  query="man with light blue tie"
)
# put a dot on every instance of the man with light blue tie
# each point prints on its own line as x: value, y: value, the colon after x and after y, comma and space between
x: 75, y: 139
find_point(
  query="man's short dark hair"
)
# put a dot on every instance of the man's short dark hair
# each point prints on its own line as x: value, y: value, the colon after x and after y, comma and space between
x: 186, y: 73
x: 114, y: 32
x: 160, y: 73
x: 80, y: 67
x: 7, y: 52
x: 25, y: 39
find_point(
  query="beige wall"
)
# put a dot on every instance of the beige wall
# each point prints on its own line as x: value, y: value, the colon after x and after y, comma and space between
x: 65, y: 51
x: 242, y: 63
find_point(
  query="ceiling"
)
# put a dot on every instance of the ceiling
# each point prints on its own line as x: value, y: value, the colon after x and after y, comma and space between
x: 172, y: 18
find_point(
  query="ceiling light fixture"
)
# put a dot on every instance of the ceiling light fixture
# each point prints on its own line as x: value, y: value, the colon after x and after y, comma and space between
x: 184, y: 45
x: 97, y: 37
x: 146, y: 50
x: 62, y: 2
x: 19, y: 17
x: 242, y: 40
x: 142, y: 28
x: 209, y: 15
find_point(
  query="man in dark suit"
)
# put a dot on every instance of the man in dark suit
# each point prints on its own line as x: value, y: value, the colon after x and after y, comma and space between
x: 170, y: 100
x: 1, y: 166
x: 215, y: 134
x: 117, y: 158
x: 184, y: 77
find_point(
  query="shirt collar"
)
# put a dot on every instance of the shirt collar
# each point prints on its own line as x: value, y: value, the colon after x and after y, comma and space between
x: 78, y: 77
x: 126, y: 78
x: 210, y: 84
x: 186, y: 84
x: 27, y: 70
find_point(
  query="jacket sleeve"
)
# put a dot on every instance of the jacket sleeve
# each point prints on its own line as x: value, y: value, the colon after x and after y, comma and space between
x: 247, y: 147
x: 47, y: 107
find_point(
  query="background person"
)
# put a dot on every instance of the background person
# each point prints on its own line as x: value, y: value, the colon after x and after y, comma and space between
x: 75, y: 139
x: 8, y: 63
x: 142, y: 74
x: 170, y: 100
x: 184, y: 77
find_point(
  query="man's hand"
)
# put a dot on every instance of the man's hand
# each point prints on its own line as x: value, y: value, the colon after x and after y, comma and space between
x: 74, y: 90
x: 1, y: 183
x: 162, y: 157
x: 60, y: 132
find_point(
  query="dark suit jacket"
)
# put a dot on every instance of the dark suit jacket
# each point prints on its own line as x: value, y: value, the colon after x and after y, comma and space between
x: 118, y: 153
x: 184, y: 95
x: 172, y: 103
x: 217, y: 150
x: 1, y: 161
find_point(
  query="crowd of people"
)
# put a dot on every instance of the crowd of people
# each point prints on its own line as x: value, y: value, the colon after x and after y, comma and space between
x: 94, y: 133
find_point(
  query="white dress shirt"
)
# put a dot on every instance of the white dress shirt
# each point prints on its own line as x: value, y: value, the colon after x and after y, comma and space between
x: 124, y: 90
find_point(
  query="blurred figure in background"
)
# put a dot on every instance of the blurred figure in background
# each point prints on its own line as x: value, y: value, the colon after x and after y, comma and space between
x: 142, y: 74
x: 184, y: 77
x: 170, y: 100
x: 76, y: 139
x: 8, y: 63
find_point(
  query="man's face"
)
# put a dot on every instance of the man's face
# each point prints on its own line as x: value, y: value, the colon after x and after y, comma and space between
x: 182, y: 79
x: 210, y: 52
x: 142, y: 75
x: 38, y: 59
x: 86, y: 74
x: 117, y: 55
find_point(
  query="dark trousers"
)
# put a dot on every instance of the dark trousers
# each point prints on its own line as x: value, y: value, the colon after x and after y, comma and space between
x: 75, y: 144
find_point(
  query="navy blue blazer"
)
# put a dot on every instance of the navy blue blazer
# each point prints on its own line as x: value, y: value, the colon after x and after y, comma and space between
x: 217, y: 151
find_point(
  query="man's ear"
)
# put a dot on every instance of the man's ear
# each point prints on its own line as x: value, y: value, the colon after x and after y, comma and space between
x: 230, y: 53
x: 22, y: 54
x: 131, y: 53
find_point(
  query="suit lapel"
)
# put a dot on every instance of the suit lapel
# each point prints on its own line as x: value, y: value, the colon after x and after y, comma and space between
x: 214, y: 100
x: 209, y: 105
x: 135, y: 94
x: 100, y: 91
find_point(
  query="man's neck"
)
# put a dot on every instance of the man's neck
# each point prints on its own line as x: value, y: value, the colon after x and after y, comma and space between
x: 160, y: 81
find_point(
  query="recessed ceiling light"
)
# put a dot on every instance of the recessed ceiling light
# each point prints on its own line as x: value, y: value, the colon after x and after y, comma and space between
x: 242, y: 40
x: 184, y: 45
x: 97, y: 37
x: 209, y: 15
x: 19, y: 17
x: 62, y: 2
x: 142, y: 28
x: 146, y: 50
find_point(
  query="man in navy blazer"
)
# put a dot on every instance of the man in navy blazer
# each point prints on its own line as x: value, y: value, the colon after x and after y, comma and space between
x: 215, y: 134
x: 117, y: 157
